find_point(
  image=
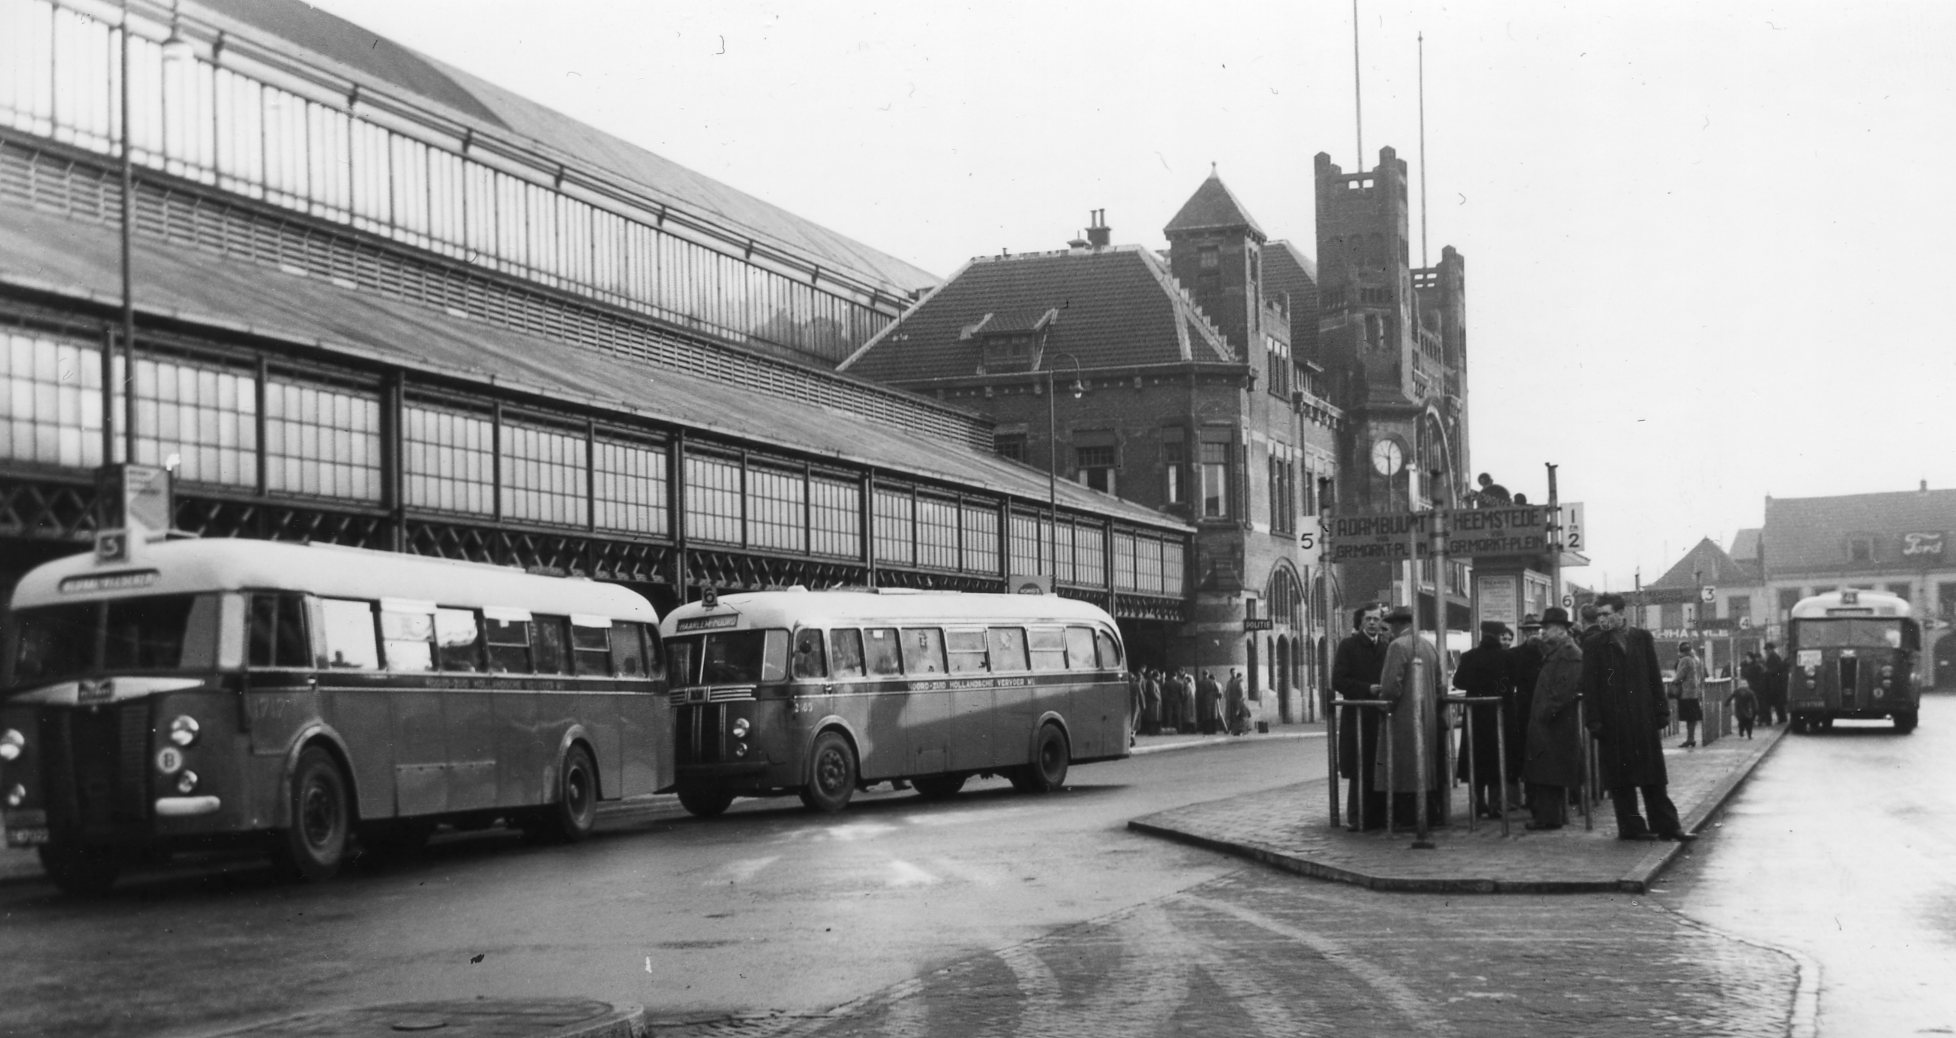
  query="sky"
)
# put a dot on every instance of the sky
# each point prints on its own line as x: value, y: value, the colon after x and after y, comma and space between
x: 1698, y: 237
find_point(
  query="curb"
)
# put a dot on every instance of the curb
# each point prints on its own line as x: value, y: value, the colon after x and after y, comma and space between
x: 1638, y: 880
x: 1218, y: 740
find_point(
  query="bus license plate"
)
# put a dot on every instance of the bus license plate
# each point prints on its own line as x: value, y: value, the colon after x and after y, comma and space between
x: 33, y: 836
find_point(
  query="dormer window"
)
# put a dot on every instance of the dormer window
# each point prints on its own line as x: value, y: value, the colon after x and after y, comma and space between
x: 1861, y: 548
x: 1010, y: 342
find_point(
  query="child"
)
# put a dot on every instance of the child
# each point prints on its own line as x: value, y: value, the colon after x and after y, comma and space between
x: 1745, y: 706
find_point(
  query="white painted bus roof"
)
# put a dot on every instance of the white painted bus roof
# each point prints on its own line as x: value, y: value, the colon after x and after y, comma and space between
x: 1879, y: 603
x: 860, y: 608
x: 230, y: 564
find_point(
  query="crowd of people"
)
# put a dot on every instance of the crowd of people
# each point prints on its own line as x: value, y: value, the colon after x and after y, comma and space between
x: 1175, y: 701
x: 1592, y: 676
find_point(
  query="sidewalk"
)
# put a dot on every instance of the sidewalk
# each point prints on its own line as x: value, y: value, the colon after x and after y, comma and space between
x: 1289, y: 828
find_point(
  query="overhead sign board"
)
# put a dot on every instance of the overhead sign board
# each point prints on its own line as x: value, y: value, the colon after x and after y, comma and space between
x: 1471, y: 533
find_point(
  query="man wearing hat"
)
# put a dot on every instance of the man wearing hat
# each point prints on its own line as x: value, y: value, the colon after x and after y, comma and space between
x: 1690, y: 678
x: 1483, y: 674
x: 1524, y: 665
x: 1554, y: 761
x: 1396, y: 688
x: 1355, y: 675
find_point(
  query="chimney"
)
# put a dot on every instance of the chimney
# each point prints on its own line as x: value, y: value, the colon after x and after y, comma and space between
x: 1925, y: 486
x: 1098, y: 233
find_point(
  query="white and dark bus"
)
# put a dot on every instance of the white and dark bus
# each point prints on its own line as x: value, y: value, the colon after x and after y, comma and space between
x: 819, y: 692
x: 214, y: 691
x: 1852, y: 655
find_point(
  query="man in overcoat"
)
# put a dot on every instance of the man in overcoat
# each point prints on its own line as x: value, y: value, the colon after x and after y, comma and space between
x: 1524, y: 664
x: 1355, y: 675
x: 1773, y: 701
x: 1405, y: 721
x: 1554, y: 764
x: 1483, y: 673
x: 1623, y: 687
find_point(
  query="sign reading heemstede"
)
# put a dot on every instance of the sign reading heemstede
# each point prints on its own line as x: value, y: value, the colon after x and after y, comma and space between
x: 1471, y: 533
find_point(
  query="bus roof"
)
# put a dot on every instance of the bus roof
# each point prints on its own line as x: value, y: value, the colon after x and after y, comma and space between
x: 231, y: 564
x: 799, y: 606
x: 1851, y: 602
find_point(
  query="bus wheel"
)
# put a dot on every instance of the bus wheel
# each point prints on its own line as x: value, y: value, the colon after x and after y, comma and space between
x: 575, y: 813
x: 80, y: 871
x: 831, y: 773
x: 1047, y: 772
x: 705, y: 801
x: 1905, y: 722
x: 938, y: 787
x: 313, y: 848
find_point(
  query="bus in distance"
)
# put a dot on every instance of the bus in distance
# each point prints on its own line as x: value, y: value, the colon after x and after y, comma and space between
x: 1852, y: 654
x: 819, y: 692
x: 207, y: 692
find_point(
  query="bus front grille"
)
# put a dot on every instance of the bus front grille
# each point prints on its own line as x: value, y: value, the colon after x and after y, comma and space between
x: 97, y: 766
x: 1850, y: 675
x: 700, y: 728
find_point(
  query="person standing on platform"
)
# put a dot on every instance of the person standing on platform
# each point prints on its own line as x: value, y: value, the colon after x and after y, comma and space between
x: 1151, y: 702
x: 1745, y: 707
x: 1208, y: 704
x: 1236, y: 705
x: 1773, y: 697
x: 1524, y: 665
x: 1483, y: 674
x: 1623, y: 687
x: 1407, y: 728
x: 1185, y: 683
x: 1355, y: 672
x: 1554, y: 764
x: 1690, y: 680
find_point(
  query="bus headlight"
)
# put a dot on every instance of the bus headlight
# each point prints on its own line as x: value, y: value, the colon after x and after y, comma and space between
x: 12, y: 744
x: 1810, y: 683
x: 183, y: 730
x: 187, y: 783
x: 740, y: 749
x: 740, y: 728
x: 17, y: 795
x: 1887, y: 670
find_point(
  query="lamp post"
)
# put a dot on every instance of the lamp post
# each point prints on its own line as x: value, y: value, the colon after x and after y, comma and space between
x: 1078, y: 389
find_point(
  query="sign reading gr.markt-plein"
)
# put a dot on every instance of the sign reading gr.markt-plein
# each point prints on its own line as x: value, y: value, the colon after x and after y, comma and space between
x: 1471, y: 533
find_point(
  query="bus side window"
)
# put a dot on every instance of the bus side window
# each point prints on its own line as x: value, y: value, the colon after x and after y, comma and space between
x: 1048, y: 648
x: 349, y: 629
x: 846, y: 653
x: 509, y: 644
x: 774, y: 656
x: 549, y: 645
x: 458, y: 640
x: 880, y: 654
x: 923, y: 650
x: 591, y: 649
x: 1008, y: 645
x: 278, y: 631
x: 1110, y: 651
x: 967, y: 651
x: 1079, y: 648
x: 628, y: 650
x: 809, y: 661
x: 408, y: 635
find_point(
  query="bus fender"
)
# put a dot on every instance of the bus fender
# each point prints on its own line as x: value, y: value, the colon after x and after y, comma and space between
x: 574, y: 735
x: 1032, y: 738
x: 318, y: 732
x: 837, y: 722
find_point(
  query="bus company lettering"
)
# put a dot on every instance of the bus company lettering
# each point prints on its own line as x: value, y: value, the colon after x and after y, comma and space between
x: 964, y: 683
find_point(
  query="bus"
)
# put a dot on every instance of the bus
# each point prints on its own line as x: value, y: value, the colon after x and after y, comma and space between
x: 819, y: 692
x: 213, y: 692
x: 1852, y: 654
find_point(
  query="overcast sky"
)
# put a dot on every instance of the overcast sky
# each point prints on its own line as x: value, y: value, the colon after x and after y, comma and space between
x: 1700, y: 238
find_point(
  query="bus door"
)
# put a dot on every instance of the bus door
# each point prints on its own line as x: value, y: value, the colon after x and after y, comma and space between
x: 407, y: 635
x: 354, y: 699
x: 935, y: 741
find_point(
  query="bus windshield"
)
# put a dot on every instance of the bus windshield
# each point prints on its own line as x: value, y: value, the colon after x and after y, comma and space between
x: 65, y: 642
x: 727, y: 658
x: 1849, y: 633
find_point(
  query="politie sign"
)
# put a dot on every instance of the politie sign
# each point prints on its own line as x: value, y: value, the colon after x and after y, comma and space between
x: 1471, y: 533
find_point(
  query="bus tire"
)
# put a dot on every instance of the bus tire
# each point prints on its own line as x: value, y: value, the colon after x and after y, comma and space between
x: 938, y: 787
x: 1047, y: 772
x: 314, y: 846
x: 831, y: 773
x: 575, y: 812
x: 80, y: 871
x: 1905, y: 721
x: 705, y: 801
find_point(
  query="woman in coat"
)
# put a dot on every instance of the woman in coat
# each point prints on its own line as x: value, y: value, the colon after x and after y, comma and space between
x: 1555, y: 763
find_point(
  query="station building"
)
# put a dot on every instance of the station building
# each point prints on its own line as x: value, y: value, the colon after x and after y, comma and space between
x: 377, y: 301
x: 1220, y: 381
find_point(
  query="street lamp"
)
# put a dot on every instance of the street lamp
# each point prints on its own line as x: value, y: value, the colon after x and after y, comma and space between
x: 1078, y: 389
